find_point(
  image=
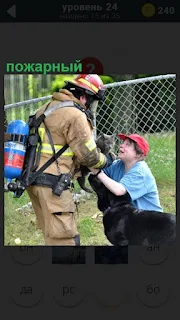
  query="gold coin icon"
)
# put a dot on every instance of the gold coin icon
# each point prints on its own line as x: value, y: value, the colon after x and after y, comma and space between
x: 148, y: 10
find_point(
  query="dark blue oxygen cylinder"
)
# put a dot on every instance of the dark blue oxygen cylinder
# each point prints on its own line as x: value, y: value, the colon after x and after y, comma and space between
x: 14, y: 151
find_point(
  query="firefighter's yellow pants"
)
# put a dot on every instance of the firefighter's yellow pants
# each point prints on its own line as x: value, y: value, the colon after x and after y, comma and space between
x: 58, y: 226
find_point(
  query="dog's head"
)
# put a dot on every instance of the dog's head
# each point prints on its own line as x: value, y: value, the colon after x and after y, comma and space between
x: 101, y: 191
x: 96, y: 184
x: 105, y: 197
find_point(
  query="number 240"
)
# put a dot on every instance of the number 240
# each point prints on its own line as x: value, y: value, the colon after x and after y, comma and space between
x: 166, y: 10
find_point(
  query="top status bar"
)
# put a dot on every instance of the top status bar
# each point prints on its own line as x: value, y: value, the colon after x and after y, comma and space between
x: 112, y: 11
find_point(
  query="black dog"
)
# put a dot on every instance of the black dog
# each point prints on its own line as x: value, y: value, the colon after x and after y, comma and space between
x: 125, y: 225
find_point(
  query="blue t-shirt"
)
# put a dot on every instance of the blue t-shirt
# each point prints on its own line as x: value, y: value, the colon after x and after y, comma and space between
x: 138, y: 182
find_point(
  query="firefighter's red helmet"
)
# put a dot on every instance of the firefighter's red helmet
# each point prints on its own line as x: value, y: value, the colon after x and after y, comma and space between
x: 91, y: 83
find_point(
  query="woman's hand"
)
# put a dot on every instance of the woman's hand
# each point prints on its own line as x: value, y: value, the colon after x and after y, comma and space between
x: 115, y: 187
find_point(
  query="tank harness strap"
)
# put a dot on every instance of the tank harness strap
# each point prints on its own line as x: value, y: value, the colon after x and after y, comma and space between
x: 46, y: 179
x: 34, y: 175
x: 52, y: 145
x: 39, y: 147
x: 35, y: 123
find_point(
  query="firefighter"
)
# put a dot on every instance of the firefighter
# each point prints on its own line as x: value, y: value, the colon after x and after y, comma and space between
x: 68, y: 125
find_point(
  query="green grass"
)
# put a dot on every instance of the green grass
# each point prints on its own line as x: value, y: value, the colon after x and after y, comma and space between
x: 18, y: 225
x: 162, y: 157
x: 161, y: 160
x: 23, y: 226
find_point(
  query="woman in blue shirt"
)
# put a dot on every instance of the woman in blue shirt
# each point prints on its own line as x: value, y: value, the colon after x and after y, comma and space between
x: 131, y: 175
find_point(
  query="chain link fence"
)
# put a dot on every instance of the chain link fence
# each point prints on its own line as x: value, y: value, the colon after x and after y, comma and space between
x: 146, y: 106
